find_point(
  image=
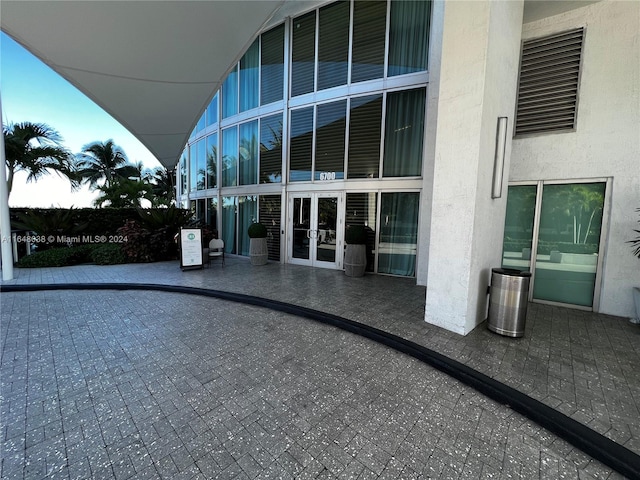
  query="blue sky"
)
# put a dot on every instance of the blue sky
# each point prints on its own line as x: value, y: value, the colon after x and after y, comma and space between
x: 31, y: 91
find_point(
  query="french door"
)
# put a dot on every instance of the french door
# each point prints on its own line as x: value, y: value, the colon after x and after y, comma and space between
x: 555, y: 230
x: 315, y: 229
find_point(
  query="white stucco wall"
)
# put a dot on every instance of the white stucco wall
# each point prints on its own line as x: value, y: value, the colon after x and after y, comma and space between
x: 475, y: 85
x: 606, y: 142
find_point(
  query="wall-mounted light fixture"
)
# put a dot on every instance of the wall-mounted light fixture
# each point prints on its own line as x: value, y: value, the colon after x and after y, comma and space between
x: 498, y: 161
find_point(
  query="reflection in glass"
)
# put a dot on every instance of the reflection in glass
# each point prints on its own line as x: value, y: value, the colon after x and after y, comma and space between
x: 303, y: 54
x: 248, y: 153
x: 212, y: 111
x: 361, y: 209
x: 247, y: 214
x: 568, y: 243
x: 325, y: 230
x: 369, y: 22
x: 269, y: 216
x: 330, y: 137
x: 212, y: 214
x: 201, y: 161
x: 229, y: 211
x: 518, y: 227
x: 333, y: 45
x: 404, y: 133
x: 271, y: 149
x: 301, y: 226
x: 184, y: 172
x: 249, y: 77
x: 398, y: 233
x: 365, y: 126
x: 230, y: 94
x: 272, y: 65
x: 212, y: 161
x: 408, y: 37
x: 201, y: 122
x: 301, y: 152
x: 193, y: 168
x: 229, y: 156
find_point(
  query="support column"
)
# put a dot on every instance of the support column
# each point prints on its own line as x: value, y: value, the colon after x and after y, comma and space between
x: 5, y: 223
x: 478, y: 72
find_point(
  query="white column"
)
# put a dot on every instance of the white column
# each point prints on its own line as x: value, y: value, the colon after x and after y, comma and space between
x: 478, y: 71
x: 5, y: 223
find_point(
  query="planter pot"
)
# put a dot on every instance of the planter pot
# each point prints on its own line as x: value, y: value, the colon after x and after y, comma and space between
x: 258, y: 251
x: 636, y: 302
x: 355, y: 260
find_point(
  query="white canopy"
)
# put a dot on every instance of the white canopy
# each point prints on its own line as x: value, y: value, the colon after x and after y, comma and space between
x: 152, y: 65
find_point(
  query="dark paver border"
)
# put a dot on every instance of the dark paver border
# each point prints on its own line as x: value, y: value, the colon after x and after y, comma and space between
x: 594, y: 444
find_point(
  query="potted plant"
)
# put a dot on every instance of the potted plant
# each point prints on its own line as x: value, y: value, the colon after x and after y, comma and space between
x: 258, y: 251
x: 635, y: 244
x: 355, y: 255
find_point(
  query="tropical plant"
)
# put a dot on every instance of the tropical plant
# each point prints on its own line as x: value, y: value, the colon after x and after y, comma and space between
x: 104, y: 162
x: 257, y: 230
x: 36, y: 149
x: 162, y: 183
x: 55, y: 223
x: 122, y: 193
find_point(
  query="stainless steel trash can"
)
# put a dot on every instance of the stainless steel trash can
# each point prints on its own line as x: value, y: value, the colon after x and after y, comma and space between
x: 509, y: 292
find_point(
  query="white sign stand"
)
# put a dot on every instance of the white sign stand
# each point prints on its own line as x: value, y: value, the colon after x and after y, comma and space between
x: 191, y: 248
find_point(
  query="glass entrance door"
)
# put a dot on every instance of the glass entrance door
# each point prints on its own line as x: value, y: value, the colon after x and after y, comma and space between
x: 315, y: 229
x: 553, y: 230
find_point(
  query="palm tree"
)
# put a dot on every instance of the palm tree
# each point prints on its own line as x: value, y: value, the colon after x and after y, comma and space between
x: 104, y: 161
x: 36, y: 149
x: 162, y: 186
x: 122, y: 193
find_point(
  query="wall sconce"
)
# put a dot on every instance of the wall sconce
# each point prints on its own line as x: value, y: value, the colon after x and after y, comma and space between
x: 498, y: 161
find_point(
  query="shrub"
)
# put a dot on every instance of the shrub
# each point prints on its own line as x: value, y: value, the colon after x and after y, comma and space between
x: 137, y: 248
x: 108, y: 254
x: 355, y: 235
x: 57, y: 257
x: 257, y: 230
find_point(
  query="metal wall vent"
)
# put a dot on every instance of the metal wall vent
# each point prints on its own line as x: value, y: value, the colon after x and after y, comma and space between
x: 548, y: 85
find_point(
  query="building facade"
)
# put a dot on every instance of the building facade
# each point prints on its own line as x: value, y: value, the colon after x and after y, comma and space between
x: 463, y: 135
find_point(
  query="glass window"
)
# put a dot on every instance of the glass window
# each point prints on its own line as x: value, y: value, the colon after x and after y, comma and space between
x: 333, y: 45
x: 229, y: 211
x: 201, y: 122
x: 247, y: 214
x: 230, y: 94
x: 369, y: 24
x: 184, y: 172
x: 398, y: 233
x: 229, y: 156
x: 212, y: 161
x: 518, y: 227
x: 271, y: 149
x: 201, y: 149
x: 303, y: 54
x: 248, y: 154
x: 193, y: 168
x: 212, y: 111
x: 272, y: 65
x: 404, y: 133
x: 270, y: 206
x: 212, y: 214
x: 361, y: 209
x: 568, y: 243
x: 330, y: 140
x: 408, y: 36
x: 365, y: 127
x: 249, y: 77
x: 301, y: 151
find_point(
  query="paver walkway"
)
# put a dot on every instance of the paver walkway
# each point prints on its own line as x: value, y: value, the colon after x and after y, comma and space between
x: 133, y: 384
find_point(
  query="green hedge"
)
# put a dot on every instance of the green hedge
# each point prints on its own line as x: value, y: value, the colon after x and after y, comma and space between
x: 102, y: 254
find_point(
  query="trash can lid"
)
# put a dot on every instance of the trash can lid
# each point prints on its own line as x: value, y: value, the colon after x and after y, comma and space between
x: 512, y: 272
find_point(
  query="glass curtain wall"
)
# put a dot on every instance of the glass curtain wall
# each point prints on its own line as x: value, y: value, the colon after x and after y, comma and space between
x: 374, y: 134
x: 398, y: 233
x: 250, y: 77
x: 248, y: 153
x: 269, y: 216
x: 361, y: 209
x: 271, y: 149
x: 247, y: 214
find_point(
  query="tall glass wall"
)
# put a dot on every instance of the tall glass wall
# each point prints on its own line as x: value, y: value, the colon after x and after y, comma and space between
x: 313, y: 124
